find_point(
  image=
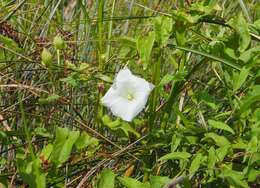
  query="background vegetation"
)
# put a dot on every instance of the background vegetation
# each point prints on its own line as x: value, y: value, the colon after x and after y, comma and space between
x: 200, y: 128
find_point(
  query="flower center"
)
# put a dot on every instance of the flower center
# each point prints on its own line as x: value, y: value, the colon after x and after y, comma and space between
x: 130, y: 96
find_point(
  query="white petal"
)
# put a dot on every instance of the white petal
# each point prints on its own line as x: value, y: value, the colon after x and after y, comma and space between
x: 123, y: 74
x: 120, y: 107
x: 134, y: 82
x: 135, y: 108
x: 124, y: 84
x: 124, y: 109
x: 110, y: 96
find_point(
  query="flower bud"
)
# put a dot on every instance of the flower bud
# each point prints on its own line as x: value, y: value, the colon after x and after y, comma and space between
x: 101, y: 87
x: 46, y: 57
x: 103, y: 56
x: 58, y: 42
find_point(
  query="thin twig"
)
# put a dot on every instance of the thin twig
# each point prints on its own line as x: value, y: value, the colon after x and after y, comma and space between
x: 22, y: 86
x: 82, y: 182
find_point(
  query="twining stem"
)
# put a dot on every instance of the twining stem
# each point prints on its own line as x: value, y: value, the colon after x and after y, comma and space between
x: 58, y: 56
x: 226, y: 62
x: 99, y: 108
x: 100, y: 33
x: 110, y: 27
x: 154, y: 97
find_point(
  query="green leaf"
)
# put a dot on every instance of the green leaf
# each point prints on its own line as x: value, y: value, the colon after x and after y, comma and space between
x: 70, y: 80
x: 241, y: 27
x: 205, y: 97
x: 205, y: 8
x: 42, y: 132
x: 253, y: 174
x: 158, y: 181
x: 127, y: 41
x: 249, y: 54
x: 107, y: 179
x: 252, y: 97
x: 49, y: 99
x: 104, y: 78
x: 255, y: 157
x: 10, y: 43
x: 238, y: 80
x: 195, y: 164
x: 176, y: 155
x: 31, y: 173
x: 162, y: 29
x: 219, y: 140
x: 222, y: 152
x: 166, y: 79
x: 235, y: 178
x: 133, y: 183
x: 119, y: 125
x: 253, y: 146
x: 176, y: 140
x: 173, y: 77
x: 63, y: 144
x: 212, y: 158
x: 255, y: 27
x: 180, y: 32
x: 46, y: 151
x: 256, y: 115
x: 231, y: 53
x: 239, y: 145
x: 84, y: 140
x: 182, y: 16
x: 220, y: 125
x: 2, y: 134
x: 144, y: 47
x: 83, y: 66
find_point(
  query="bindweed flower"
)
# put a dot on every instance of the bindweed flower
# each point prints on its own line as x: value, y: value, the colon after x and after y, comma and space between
x: 128, y: 95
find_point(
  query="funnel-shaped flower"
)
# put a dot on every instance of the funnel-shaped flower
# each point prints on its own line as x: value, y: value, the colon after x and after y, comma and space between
x: 128, y: 95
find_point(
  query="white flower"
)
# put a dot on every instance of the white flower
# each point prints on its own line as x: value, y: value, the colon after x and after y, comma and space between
x: 128, y: 95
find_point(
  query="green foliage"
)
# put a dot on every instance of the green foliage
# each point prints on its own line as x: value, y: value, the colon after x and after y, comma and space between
x: 195, y: 164
x: 180, y: 76
x: 220, y: 125
x: 49, y: 99
x: 118, y: 125
x: 62, y: 146
x: 201, y: 124
x: 132, y: 183
x: 144, y: 46
x: 162, y: 29
x: 241, y: 27
x: 46, y: 57
x: 10, y: 43
x: 58, y: 42
x: 219, y: 140
x: 158, y: 181
x: 234, y: 178
x: 30, y: 171
x: 176, y: 155
x: 84, y: 141
x: 250, y: 54
x: 107, y: 179
x: 239, y: 79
